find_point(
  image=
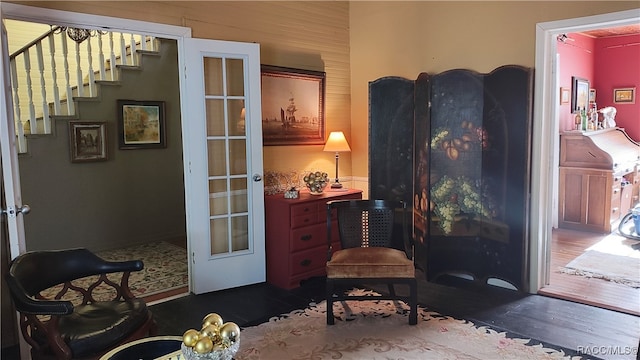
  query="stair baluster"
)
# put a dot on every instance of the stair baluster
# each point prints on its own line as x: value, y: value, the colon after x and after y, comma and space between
x: 92, y: 77
x: 80, y: 83
x: 123, y: 50
x: 112, y: 64
x: 103, y: 75
x: 54, y: 74
x: 46, y: 122
x: 32, y: 110
x: 22, y: 141
x: 65, y: 52
x: 134, y: 59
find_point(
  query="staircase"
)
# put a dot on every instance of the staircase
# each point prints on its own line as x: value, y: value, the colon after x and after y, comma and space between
x: 56, y: 71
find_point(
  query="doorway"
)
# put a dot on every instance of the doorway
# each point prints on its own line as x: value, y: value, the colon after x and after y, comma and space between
x: 116, y: 208
x: 242, y: 156
x: 546, y: 136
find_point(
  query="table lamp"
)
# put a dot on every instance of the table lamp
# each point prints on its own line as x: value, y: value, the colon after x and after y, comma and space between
x: 336, y: 143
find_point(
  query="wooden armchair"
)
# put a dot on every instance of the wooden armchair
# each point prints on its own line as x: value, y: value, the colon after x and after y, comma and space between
x: 370, y: 251
x: 58, y: 329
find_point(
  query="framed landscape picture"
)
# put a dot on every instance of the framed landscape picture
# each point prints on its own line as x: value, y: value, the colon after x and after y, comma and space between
x: 87, y: 141
x: 292, y: 106
x: 141, y: 124
x: 624, y: 95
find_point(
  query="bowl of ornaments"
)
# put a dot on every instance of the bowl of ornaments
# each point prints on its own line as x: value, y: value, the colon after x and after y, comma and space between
x: 216, y: 340
x: 316, y: 181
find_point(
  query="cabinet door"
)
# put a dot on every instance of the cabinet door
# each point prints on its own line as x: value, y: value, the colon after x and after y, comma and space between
x: 588, y: 199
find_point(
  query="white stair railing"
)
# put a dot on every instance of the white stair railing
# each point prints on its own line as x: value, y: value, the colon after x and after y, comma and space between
x: 33, y: 109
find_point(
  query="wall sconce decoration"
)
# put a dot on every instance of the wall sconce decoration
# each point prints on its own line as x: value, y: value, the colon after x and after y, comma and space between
x: 76, y: 34
x: 336, y: 143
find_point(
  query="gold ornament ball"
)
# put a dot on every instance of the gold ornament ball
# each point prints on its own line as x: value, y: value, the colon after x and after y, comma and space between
x: 212, y: 331
x: 230, y: 332
x: 212, y: 319
x: 190, y: 337
x: 203, y: 346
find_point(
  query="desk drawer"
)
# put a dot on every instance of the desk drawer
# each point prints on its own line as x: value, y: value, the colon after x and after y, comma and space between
x: 308, y: 237
x: 304, y: 220
x: 304, y: 209
x: 308, y: 260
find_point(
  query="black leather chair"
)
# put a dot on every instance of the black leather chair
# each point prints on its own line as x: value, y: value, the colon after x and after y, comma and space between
x: 58, y: 329
x: 375, y: 248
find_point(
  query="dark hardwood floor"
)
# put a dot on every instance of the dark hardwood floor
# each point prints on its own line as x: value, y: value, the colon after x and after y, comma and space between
x: 556, y: 323
x: 547, y: 319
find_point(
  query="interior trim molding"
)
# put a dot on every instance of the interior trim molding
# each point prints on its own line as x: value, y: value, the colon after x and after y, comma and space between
x: 545, y: 142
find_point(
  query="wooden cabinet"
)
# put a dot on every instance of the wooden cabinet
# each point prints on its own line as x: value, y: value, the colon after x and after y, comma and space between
x: 585, y: 203
x: 598, y: 179
x: 296, y: 236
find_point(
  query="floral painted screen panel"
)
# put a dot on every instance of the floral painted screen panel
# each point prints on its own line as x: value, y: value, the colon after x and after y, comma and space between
x: 471, y: 173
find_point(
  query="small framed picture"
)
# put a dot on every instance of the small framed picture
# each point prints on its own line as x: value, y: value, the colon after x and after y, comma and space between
x: 141, y: 124
x: 87, y: 141
x: 579, y: 94
x: 592, y: 96
x: 624, y: 95
x: 565, y: 95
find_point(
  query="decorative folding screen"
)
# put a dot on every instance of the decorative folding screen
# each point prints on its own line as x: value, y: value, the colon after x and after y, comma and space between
x: 470, y: 136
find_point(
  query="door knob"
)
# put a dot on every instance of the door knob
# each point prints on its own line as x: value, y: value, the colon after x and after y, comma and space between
x: 24, y: 209
x: 257, y: 177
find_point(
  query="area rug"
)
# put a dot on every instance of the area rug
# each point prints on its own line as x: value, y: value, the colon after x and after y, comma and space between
x: 379, y: 329
x: 614, y: 258
x: 165, y: 268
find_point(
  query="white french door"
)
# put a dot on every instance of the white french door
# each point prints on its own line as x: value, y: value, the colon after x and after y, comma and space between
x: 13, y: 208
x: 223, y: 155
x: 222, y: 147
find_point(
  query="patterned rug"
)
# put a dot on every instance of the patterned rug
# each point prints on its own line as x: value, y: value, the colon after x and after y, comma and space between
x: 614, y: 258
x: 379, y: 329
x: 165, y: 268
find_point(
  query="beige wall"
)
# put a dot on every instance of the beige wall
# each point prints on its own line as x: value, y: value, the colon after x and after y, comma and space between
x: 358, y: 42
x: 304, y: 35
x: 406, y: 38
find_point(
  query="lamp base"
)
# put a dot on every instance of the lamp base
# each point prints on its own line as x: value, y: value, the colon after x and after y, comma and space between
x: 336, y: 185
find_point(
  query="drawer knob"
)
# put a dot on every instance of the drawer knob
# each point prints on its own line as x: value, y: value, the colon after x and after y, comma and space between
x: 306, y: 237
x: 305, y: 262
x: 614, y: 210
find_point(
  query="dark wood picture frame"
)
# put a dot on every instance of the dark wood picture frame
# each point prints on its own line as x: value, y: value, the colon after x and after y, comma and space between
x: 141, y: 124
x: 292, y: 106
x: 87, y: 141
x: 579, y: 94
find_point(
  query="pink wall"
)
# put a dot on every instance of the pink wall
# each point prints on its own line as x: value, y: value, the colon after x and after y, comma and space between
x: 576, y: 59
x: 617, y: 65
x: 607, y: 63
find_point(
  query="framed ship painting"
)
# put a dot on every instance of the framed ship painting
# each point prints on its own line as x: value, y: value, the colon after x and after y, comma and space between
x: 292, y: 106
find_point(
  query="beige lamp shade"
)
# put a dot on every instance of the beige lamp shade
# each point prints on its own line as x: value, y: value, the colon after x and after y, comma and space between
x: 337, y: 143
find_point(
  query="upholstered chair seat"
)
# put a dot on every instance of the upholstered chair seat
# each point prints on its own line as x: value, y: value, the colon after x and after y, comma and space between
x: 370, y: 262
x: 374, y: 248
